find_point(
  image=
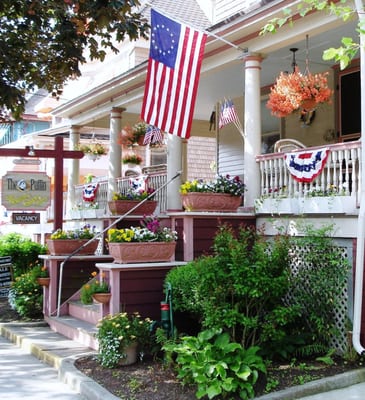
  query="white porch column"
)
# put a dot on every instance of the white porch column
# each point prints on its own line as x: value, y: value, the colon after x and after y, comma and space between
x: 115, y: 151
x: 73, y: 169
x: 252, y: 127
x: 174, y: 165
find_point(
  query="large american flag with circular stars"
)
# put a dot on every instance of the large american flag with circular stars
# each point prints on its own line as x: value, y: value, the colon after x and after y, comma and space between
x: 176, y: 53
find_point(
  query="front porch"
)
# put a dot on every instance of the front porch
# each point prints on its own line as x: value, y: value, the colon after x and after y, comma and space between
x: 334, y: 191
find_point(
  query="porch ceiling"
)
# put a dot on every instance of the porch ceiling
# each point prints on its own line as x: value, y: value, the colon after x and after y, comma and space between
x: 223, y: 74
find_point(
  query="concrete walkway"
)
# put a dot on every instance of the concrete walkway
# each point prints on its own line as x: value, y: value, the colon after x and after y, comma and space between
x: 25, y: 377
x: 60, y: 353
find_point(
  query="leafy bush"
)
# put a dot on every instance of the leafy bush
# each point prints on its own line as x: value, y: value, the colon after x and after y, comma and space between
x: 185, y: 282
x: 240, y: 288
x: 26, y: 295
x: 216, y: 365
x: 22, y: 250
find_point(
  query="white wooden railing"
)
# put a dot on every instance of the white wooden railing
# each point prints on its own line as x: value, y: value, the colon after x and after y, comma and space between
x: 154, y: 181
x: 341, y: 173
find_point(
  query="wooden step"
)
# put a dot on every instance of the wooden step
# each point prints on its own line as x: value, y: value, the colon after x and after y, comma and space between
x: 91, y: 313
x: 73, y: 328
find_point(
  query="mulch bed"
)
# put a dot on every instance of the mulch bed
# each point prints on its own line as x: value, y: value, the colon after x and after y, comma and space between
x: 152, y: 380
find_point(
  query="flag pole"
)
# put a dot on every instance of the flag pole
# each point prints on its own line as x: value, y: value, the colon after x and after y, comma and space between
x: 193, y: 27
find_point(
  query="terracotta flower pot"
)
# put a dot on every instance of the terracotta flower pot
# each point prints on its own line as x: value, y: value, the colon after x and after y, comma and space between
x: 212, y: 202
x: 68, y: 246
x: 130, y: 355
x: 102, y: 298
x: 44, y: 281
x: 138, y: 252
x: 120, y: 207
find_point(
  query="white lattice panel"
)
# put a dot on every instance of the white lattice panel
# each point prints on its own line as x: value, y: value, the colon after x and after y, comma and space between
x: 341, y: 312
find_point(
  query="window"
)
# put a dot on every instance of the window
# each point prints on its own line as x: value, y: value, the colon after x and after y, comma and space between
x: 349, y: 105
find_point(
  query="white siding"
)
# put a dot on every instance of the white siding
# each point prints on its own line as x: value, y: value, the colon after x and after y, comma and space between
x: 226, y: 8
x: 201, y: 156
x: 230, y: 152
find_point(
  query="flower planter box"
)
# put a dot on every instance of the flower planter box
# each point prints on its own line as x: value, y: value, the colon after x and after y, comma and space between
x: 321, y: 205
x: 137, y: 252
x: 212, y: 202
x: 120, y: 207
x: 75, y: 214
x: 277, y: 206
x: 92, y: 213
x: 62, y: 247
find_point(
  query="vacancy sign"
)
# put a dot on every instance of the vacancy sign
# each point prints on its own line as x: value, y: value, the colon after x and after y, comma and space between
x: 26, y: 191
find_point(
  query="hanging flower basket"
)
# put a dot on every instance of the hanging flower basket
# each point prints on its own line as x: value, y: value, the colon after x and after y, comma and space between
x: 43, y: 281
x: 102, y: 298
x: 297, y: 91
x: 93, y: 151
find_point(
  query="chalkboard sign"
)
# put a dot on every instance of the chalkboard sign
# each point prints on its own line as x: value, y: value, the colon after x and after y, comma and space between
x: 6, y: 275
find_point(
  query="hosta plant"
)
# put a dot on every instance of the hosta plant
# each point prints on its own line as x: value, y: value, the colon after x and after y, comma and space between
x: 216, y: 365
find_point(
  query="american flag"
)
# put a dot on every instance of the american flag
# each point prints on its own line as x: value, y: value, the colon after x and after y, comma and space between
x: 176, y: 53
x: 153, y: 135
x: 228, y: 114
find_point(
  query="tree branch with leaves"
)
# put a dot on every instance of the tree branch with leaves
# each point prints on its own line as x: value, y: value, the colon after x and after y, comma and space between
x: 43, y: 43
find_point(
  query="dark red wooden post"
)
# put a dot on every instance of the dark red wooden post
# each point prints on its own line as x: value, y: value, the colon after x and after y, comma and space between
x: 59, y: 154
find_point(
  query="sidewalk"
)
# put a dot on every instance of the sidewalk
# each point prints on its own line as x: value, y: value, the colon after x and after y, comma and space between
x: 59, y: 352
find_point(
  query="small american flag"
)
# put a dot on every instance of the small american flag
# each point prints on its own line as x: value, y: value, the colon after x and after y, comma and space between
x: 176, y: 53
x: 153, y: 135
x: 228, y: 114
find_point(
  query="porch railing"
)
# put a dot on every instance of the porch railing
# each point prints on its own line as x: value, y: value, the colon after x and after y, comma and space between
x: 154, y: 181
x: 341, y: 173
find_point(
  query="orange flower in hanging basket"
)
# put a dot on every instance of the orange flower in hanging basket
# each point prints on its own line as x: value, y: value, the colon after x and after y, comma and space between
x: 295, y: 91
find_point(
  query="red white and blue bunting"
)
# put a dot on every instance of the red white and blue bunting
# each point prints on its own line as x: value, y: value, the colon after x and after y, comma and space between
x: 89, y: 192
x: 305, y: 166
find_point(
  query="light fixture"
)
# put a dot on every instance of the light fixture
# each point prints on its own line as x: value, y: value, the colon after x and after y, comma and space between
x: 31, y: 152
x: 294, y: 62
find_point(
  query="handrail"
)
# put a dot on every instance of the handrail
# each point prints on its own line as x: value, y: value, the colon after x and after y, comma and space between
x: 97, y: 235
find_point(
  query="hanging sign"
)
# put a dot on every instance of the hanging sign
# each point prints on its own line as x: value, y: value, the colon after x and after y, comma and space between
x: 26, y: 218
x: 26, y: 191
x: 305, y: 166
x: 6, y: 275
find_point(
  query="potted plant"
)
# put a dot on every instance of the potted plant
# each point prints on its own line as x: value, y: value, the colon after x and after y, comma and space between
x: 132, y: 158
x: 134, y: 136
x: 97, y: 290
x: 150, y: 242
x: 295, y: 91
x: 64, y: 242
x: 92, y: 150
x: 119, y: 337
x: 41, y: 274
x: 123, y: 202
x: 221, y: 194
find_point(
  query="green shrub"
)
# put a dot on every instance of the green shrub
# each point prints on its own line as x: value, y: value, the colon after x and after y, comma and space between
x: 22, y: 250
x: 185, y: 282
x: 216, y: 365
x: 239, y: 289
x: 26, y: 295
